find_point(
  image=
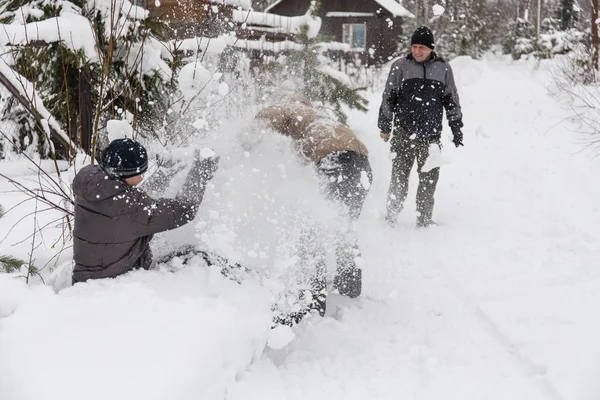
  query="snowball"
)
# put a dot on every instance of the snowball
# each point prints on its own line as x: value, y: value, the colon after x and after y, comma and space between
x: 223, y: 89
x: 438, y: 10
x: 435, y: 158
x: 364, y: 180
x: 280, y: 336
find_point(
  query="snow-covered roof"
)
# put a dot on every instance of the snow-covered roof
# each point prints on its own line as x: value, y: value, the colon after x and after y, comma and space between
x: 395, y: 8
x: 247, y: 4
x: 277, y: 23
x: 392, y: 6
x: 268, y: 9
x: 348, y: 14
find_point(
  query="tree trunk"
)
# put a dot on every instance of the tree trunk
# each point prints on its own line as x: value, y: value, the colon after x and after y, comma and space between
x: 85, y: 111
x: 595, y: 34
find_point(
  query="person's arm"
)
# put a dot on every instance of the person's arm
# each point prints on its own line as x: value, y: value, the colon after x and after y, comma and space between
x: 389, y: 100
x: 451, y: 103
x: 153, y: 216
x: 150, y: 216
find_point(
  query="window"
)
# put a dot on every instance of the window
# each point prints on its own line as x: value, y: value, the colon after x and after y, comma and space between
x: 355, y: 35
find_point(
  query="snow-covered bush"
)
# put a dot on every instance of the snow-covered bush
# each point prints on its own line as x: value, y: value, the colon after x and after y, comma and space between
x: 54, y: 46
x: 561, y: 42
x: 519, y: 39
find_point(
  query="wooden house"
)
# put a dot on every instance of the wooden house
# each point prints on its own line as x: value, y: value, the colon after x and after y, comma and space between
x: 370, y: 27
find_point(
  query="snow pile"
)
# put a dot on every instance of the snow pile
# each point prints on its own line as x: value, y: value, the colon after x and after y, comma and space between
x: 118, y: 129
x: 146, y: 335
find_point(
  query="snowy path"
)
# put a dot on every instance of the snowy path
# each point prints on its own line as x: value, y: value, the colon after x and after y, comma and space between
x: 499, y: 302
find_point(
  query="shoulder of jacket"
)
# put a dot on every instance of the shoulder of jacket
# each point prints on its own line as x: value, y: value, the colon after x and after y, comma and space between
x: 398, y: 63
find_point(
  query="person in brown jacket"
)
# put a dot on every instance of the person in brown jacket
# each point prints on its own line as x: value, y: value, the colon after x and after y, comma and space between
x: 342, y: 161
x: 115, y: 221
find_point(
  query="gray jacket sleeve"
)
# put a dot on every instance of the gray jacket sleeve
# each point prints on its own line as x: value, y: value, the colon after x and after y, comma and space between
x: 153, y: 216
x: 451, y: 102
x: 390, y: 97
x: 158, y: 215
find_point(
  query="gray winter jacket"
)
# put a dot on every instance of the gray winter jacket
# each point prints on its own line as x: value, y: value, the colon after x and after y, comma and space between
x: 415, y: 96
x: 114, y: 224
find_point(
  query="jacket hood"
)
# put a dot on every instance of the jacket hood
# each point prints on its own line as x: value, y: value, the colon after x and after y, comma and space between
x: 93, y: 184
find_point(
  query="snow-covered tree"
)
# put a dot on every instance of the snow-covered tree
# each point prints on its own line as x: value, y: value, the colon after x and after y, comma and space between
x: 108, y: 45
x: 320, y: 82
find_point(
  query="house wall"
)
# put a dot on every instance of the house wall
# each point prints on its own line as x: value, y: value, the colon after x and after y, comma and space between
x: 189, y: 18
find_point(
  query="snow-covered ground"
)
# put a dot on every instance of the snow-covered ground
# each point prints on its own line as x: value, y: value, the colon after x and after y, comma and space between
x: 498, y: 302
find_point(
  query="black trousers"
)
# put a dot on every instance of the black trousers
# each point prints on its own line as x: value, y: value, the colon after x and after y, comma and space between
x: 347, y: 177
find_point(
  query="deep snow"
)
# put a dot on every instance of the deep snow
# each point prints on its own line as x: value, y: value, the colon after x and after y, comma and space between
x: 498, y: 302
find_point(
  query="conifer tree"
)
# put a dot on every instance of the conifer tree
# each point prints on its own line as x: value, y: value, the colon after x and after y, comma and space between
x: 319, y: 85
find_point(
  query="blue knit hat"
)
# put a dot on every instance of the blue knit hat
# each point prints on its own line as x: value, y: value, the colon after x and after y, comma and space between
x: 124, y: 158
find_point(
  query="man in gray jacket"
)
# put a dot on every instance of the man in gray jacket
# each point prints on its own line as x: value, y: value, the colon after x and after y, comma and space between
x: 115, y: 221
x: 418, y: 89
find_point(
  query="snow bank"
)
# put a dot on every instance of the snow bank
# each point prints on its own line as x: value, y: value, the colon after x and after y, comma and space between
x: 146, y: 335
x: 471, y: 71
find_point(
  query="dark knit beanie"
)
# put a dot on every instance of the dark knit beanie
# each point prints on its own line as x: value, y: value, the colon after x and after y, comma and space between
x: 124, y: 158
x: 424, y: 36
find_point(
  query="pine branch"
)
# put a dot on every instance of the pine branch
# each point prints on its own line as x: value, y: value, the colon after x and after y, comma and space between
x: 10, y: 264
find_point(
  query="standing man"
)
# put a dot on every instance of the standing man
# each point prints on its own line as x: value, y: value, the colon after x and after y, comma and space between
x: 420, y: 86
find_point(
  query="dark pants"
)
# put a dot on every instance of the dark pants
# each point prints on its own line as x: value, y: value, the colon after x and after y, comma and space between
x: 231, y: 270
x: 407, y: 151
x: 347, y: 177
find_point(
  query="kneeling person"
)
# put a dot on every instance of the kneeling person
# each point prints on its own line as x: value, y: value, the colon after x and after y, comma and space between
x: 115, y: 221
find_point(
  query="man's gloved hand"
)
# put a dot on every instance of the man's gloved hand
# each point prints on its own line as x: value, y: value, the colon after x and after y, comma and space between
x: 207, y: 168
x: 201, y: 172
x: 458, y: 137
